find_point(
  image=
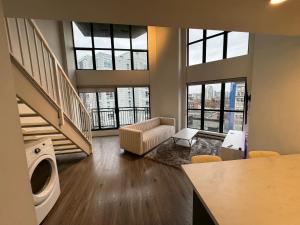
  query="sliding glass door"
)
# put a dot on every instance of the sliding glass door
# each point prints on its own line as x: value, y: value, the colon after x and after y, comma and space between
x: 107, y: 109
x: 133, y: 104
x: 126, y: 105
x: 111, y: 109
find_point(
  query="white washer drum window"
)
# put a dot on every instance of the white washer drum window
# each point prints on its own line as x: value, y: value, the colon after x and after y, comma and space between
x: 42, y: 174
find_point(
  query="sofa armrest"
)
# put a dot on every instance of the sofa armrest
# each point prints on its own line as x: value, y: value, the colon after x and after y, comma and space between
x: 131, y: 140
x: 167, y: 121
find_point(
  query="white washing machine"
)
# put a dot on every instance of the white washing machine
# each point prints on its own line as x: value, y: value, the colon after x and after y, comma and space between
x: 43, y: 176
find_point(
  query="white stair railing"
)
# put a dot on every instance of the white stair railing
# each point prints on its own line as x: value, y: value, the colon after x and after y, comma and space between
x: 30, y: 49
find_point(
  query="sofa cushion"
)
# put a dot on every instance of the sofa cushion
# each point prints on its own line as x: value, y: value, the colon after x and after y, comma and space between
x: 157, y: 135
x: 146, y: 125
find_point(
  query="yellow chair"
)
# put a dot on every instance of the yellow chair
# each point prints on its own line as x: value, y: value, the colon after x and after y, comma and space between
x: 205, y: 158
x: 262, y: 154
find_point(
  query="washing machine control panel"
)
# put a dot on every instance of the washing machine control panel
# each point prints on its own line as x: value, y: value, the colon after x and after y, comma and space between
x: 37, y: 150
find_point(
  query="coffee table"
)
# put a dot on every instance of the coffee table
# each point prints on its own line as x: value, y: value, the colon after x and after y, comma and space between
x: 185, y: 136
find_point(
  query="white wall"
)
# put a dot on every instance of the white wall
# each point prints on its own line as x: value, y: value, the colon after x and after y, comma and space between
x: 58, y: 34
x: 247, y: 15
x: 165, y: 75
x: 97, y: 78
x: 16, y: 206
x: 220, y: 70
x: 275, y: 108
x: 68, y: 51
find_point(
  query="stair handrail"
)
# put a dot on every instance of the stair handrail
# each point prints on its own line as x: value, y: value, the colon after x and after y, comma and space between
x: 80, y: 117
x: 57, y: 62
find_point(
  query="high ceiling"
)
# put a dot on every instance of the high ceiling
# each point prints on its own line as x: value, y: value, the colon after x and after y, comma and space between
x: 256, y: 16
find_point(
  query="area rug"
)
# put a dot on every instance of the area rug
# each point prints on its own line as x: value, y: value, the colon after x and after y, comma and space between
x: 171, y: 154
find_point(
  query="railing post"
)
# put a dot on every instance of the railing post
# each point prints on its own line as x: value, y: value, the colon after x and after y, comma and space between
x: 58, y: 91
x: 20, y: 42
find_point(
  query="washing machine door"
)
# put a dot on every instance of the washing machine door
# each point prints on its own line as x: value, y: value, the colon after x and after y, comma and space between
x: 42, y: 178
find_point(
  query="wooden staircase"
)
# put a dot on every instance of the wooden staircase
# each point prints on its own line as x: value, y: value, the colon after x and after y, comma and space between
x: 48, y: 104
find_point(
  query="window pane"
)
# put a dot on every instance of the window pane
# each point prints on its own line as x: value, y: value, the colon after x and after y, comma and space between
x: 123, y: 61
x: 211, y: 121
x: 82, y: 34
x: 195, y: 53
x: 107, y: 109
x: 139, y: 37
x: 125, y: 102
x: 212, y: 96
x: 141, y: 97
x: 141, y: 100
x: 214, y: 49
x: 121, y: 37
x: 106, y: 99
x: 233, y: 121
x: 84, y: 59
x: 103, y: 60
x: 237, y: 44
x: 213, y: 32
x: 194, y: 96
x: 102, y: 35
x: 140, y: 60
x: 195, y: 34
x: 234, y: 96
x: 125, y: 97
x: 194, y: 119
x: 90, y: 102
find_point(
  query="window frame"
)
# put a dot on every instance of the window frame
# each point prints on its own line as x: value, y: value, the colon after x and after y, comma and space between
x: 112, y: 48
x: 117, y: 108
x: 222, y: 109
x: 204, y: 44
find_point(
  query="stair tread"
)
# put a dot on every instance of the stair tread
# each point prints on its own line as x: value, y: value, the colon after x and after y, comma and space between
x: 68, y: 151
x: 56, y: 137
x: 40, y: 132
x: 65, y: 147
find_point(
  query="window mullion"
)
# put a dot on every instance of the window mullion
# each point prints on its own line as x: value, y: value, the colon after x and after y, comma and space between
x: 112, y: 46
x: 98, y: 110
x: 222, y: 108
x: 93, y: 46
x: 134, y: 108
x: 204, y: 47
x: 117, y: 108
x: 202, y: 106
x: 131, y: 51
x: 225, y: 44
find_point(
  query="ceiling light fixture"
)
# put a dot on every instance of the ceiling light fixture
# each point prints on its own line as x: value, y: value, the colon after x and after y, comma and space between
x: 275, y: 2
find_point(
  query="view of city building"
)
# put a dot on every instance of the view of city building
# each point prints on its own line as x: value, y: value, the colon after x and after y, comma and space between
x: 122, y: 60
x: 133, y: 106
x: 233, y: 106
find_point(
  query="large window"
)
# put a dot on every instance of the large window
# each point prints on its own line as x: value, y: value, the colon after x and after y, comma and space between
x: 110, y: 47
x: 213, y: 45
x: 216, y: 107
x: 110, y: 109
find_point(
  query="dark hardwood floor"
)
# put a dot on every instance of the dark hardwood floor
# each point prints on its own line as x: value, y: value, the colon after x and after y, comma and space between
x: 111, y: 187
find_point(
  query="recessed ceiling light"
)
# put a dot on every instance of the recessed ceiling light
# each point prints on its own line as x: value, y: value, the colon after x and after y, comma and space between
x: 275, y: 2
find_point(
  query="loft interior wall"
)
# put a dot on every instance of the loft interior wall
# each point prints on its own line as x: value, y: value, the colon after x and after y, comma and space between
x: 165, y: 75
x: 256, y: 16
x: 274, y: 122
x: 15, y: 192
x: 51, y: 30
x: 69, y: 51
x: 58, y: 35
x: 97, y: 78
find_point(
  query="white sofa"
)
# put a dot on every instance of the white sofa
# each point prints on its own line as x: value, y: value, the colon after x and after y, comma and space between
x: 141, y: 137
